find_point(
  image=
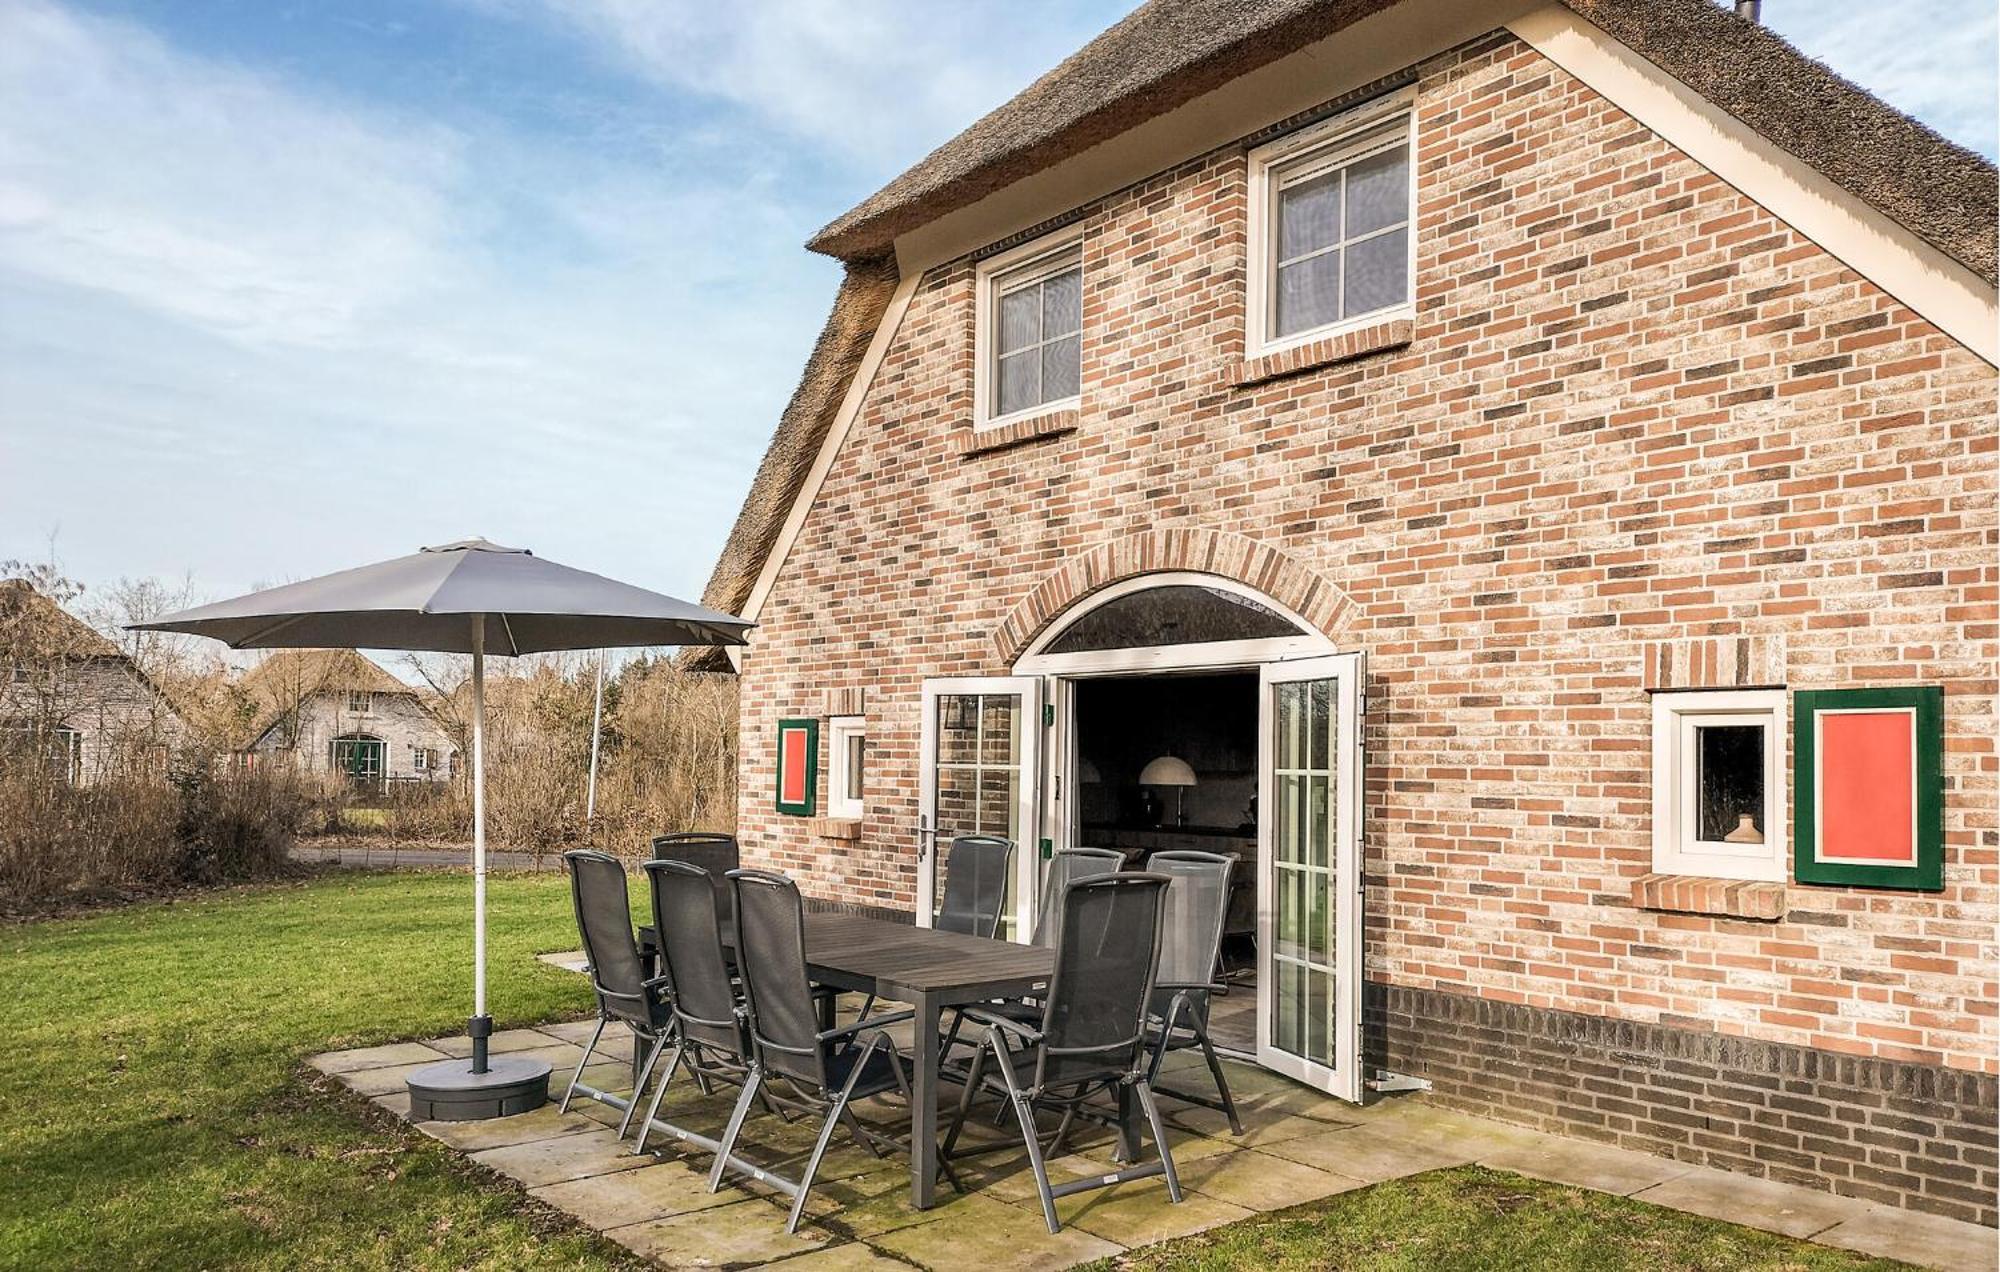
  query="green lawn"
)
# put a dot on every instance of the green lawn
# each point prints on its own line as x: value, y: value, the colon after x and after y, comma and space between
x: 154, y: 1110
x: 152, y: 1107
x: 1473, y: 1219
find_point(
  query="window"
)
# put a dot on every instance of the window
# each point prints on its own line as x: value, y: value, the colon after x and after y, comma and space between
x: 1029, y: 331
x: 360, y: 701
x: 847, y: 766
x: 1719, y: 784
x: 1331, y: 216
x: 420, y: 759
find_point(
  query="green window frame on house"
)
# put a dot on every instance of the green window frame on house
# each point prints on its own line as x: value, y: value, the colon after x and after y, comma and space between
x: 797, y: 767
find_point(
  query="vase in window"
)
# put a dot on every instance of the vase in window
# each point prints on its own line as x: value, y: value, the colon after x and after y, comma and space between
x: 1746, y: 832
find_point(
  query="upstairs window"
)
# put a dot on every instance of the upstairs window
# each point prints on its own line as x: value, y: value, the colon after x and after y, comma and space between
x: 360, y: 702
x: 1030, y: 330
x: 1332, y: 213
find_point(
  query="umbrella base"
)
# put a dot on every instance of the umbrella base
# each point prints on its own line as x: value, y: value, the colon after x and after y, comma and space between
x: 451, y: 1092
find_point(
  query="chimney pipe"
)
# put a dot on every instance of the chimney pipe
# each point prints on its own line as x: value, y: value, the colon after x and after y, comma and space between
x: 1750, y: 10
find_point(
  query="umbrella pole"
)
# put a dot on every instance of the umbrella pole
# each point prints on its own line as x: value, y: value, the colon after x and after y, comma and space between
x: 596, y: 732
x: 481, y: 1024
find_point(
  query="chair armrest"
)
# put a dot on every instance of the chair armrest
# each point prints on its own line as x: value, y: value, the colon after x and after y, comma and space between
x: 1015, y: 1027
x: 867, y: 1022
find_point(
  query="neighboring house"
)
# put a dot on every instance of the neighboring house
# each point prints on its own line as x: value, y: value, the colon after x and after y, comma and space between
x: 70, y: 698
x: 1470, y: 441
x: 335, y: 711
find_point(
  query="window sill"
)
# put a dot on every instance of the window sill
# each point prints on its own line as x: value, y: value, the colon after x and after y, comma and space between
x: 836, y: 828
x: 1327, y: 351
x: 1697, y: 894
x: 982, y: 441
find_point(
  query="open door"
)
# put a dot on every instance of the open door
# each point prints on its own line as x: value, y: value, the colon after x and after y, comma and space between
x: 978, y: 768
x: 1309, y: 873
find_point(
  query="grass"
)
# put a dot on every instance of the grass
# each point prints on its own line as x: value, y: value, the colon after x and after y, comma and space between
x: 155, y: 1113
x: 1472, y: 1218
x: 154, y: 1110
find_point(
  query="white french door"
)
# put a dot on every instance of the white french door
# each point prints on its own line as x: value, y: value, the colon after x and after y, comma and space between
x: 978, y: 770
x: 1309, y: 872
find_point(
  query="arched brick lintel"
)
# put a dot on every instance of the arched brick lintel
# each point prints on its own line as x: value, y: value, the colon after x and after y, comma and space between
x: 1279, y: 575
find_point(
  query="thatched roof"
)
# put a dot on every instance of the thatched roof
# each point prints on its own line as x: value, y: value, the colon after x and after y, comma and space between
x: 289, y: 678
x: 1169, y: 52
x: 843, y: 342
x: 36, y: 627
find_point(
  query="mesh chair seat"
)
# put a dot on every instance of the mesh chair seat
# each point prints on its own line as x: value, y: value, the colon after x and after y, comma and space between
x: 827, y: 1069
x: 611, y: 953
x: 975, y: 885
x: 1091, y: 1034
x: 1197, y: 905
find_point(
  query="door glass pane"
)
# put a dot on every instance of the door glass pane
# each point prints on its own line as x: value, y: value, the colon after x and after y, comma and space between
x: 977, y: 773
x: 1304, y: 788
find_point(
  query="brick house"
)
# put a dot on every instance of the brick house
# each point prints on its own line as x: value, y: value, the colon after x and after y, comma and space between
x: 71, y: 698
x: 335, y: 711
x: 1483, y: 445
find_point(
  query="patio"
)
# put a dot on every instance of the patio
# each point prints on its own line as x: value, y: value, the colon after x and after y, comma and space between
x: 1298, y: 1146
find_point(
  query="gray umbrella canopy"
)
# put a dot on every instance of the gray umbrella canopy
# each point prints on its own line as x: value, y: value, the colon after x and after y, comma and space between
x: 428, y: 601
x: 470, y: 597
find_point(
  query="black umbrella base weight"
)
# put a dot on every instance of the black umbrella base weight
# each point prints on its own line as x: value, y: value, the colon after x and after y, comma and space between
x: 451, y: 1092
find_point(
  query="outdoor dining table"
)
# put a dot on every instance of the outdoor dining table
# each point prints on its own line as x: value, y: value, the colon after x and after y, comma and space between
x: 933, y: 972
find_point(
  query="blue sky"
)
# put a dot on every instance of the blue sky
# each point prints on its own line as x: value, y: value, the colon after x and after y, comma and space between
x: 287, y: 286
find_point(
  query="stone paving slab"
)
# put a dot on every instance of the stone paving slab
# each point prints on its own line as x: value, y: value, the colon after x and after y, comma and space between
x: 1745, y: 1199
x: 340, y: 1062
x: 1586, y: 1165
x: 1300, y: 1146
x: 1926, y: 1240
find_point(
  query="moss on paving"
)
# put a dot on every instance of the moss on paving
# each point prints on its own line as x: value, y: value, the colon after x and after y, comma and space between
x: 1471, y: 1218
x: 153, y: 1112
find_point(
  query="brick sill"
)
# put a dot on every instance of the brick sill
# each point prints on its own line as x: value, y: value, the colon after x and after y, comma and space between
x: 1694, y: 894
x: 836, y: 828
x: 984, y: 441
x: 1314, y: 354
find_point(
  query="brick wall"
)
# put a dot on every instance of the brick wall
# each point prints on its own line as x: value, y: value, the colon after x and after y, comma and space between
x: 1884, y: 1130
x: 1634, y: 408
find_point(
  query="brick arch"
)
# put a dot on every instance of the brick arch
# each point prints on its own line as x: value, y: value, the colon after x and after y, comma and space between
x: 1279, y: 575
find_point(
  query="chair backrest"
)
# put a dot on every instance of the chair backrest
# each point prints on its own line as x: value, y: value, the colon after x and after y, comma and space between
x: 1093, y: 1024
x: 1197, y: 900
x: 712, y: 850
x: 689, y: 929
x: 975, y: 885
x: 771, y: 955
x: 604, y: 923
x: 1064, y: 868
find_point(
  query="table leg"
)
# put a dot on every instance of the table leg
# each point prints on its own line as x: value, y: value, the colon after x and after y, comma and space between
x: 923, y: 1103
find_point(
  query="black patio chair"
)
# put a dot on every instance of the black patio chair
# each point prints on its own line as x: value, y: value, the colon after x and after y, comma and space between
x: 711, y: 1039
x: 611, y: 951
x: 975, y: 885
x: 824, y: 1069
x: 1190, y: 947
x: 1065, y: 867
x: 712, y: 850
x: 1091, y: 1038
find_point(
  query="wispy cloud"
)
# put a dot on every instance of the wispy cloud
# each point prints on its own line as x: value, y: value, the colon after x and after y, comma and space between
x: 881, y: 80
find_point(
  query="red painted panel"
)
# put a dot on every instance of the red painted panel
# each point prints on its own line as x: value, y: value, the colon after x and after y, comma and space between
x: 1866, y: 795
x: 792, y: 766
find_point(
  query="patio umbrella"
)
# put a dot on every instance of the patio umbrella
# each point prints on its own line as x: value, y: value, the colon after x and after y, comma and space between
x: 470, y: 597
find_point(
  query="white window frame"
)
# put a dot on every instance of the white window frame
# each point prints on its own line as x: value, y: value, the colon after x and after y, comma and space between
x: 1675, y: 850
x: 360, y: 702
x: 840, y: 730
x: 1355, y: 134
x: 1030, y: 262
x: 420, y: 759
